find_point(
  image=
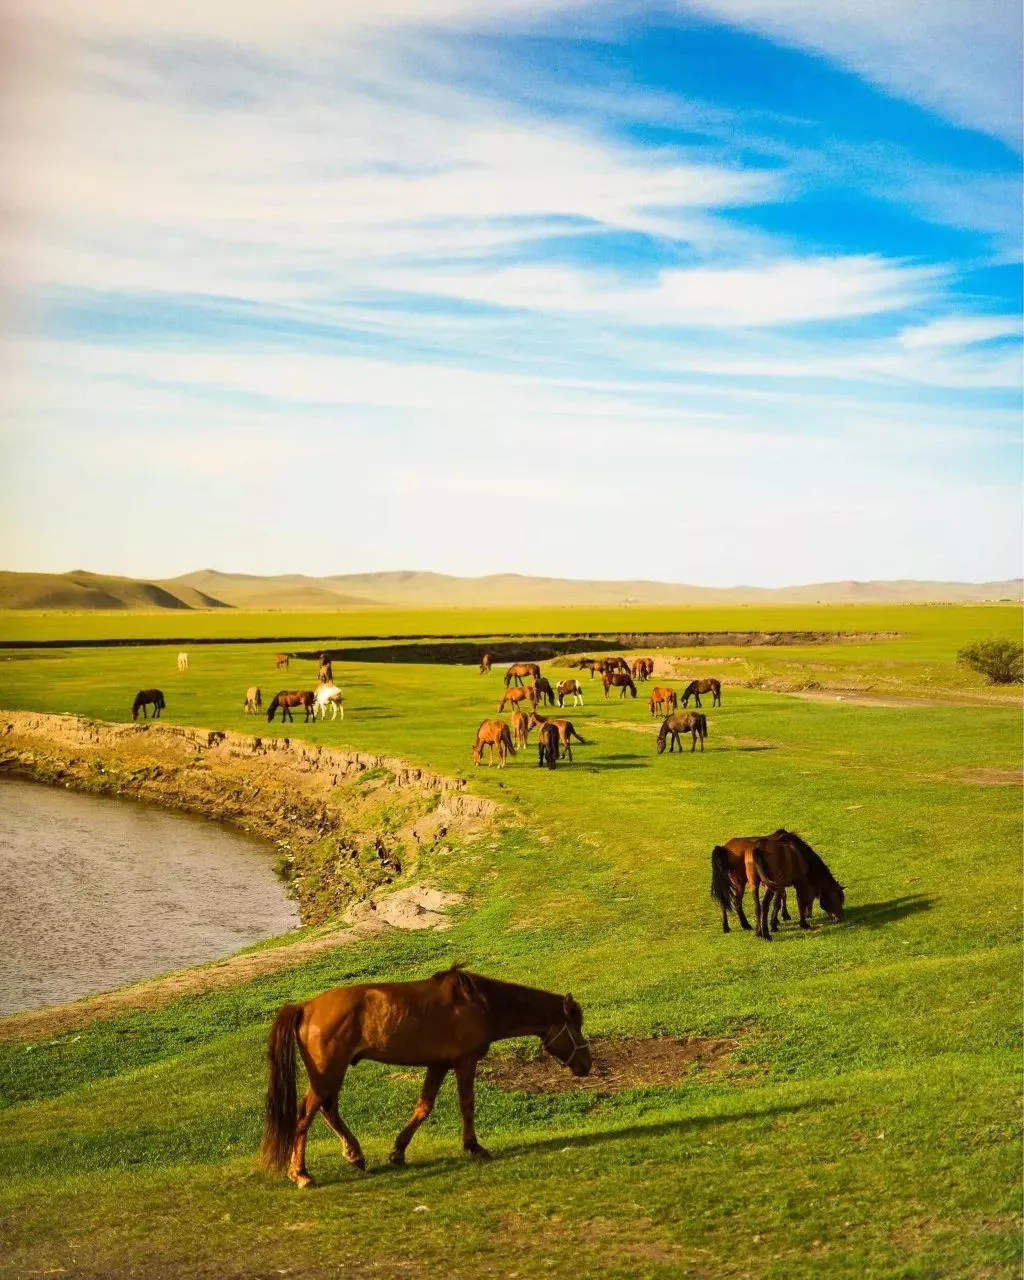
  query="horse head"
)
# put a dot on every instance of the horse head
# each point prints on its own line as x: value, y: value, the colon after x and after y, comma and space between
x: 833, y: 898
x: 566, y: 1041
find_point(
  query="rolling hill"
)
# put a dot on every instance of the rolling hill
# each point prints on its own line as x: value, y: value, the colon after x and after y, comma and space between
x: 211, y: 589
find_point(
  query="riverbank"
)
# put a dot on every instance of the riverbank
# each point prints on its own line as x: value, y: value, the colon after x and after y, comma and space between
x: 347, y: 823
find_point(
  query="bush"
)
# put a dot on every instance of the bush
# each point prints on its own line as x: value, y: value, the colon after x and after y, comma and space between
x: 1002, y: 661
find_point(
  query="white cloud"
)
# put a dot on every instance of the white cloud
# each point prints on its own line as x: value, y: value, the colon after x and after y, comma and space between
x: 960, y: 58
x: 956, y: 331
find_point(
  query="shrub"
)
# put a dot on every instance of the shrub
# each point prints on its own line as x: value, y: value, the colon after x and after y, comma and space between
x: 1002, y: 661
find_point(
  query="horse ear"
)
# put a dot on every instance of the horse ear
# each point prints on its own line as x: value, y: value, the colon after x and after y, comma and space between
x: 569, y: 1006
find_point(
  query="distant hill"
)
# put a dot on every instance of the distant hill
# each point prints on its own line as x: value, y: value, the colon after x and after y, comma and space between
x: 82, y: 590
x: 211, y: 589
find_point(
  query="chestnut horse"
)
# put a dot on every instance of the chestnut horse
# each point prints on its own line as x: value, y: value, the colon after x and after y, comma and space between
x: 775, y: 861
x: 696, y: 687
x: 694, y: 723
x: 514, y: 696
x: 662, y: 701
x: 616, y: 664
x: 642, y: 668
x: 566, y: 731
x: 444, y: 1023
x: 518, y: 672
x: 520, y: 728
x: 485, y: 664
x: 491, y: 734
x: 547, y: 745
x: 253, y: 701
x: 281, y: 661
x: 304, y: 698
x: 622, y: 680
x: 148, y: 697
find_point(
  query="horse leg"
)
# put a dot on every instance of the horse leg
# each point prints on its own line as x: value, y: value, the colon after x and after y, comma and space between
x: 785, y: 906
x: 805, y: 901
x: 776, y: 904
x: 738, y: 901
x: 465, y: 1075
x: 761, y: 909
x: 766, y: 902
x: 568, y: 750
x: 432, y: 1082
x: 308, y: 1108
x: 353, y: 1151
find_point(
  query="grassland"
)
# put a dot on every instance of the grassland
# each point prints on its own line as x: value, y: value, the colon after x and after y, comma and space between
x: 863, y: 1121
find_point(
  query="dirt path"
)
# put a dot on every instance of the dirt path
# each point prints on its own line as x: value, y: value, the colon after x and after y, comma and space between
x: 859, y: 699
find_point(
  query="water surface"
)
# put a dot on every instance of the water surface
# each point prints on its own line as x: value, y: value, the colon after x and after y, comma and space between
x: 97, y: 892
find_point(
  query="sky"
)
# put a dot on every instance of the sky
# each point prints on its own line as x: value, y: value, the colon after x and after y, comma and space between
x: 711, y: 291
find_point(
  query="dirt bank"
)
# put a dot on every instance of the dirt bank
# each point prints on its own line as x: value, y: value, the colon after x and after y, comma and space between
x: 347, y: 823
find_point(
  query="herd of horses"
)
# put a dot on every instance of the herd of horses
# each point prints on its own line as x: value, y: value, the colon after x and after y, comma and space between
x: 448, y: 1022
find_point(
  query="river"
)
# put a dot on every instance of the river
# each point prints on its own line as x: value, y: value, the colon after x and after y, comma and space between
x: 98, y: 892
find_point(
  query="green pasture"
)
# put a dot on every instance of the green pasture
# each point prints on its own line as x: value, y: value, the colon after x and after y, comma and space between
x: 865, y: 1121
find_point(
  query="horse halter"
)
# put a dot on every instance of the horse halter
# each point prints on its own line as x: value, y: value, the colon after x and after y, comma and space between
x: 577, y: 1045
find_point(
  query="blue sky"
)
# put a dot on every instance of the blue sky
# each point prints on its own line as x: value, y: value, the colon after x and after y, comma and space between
x: 722, y: 292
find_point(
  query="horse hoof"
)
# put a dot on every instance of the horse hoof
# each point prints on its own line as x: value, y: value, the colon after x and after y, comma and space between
x: 359, y: 1163
x: 303, y: 1180
x: 397, y: 1158
x: 478, y: 1153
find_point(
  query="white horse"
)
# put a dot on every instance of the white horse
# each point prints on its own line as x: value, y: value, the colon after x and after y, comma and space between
x: 329, y: 695
x: 253, y: 701
x: 182, y: 661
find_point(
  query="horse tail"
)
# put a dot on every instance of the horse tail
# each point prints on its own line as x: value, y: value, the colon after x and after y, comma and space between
x: 702, y: 724
x: 574, y: 734
x: 761, y: 865
x: 506, y: 738
x: 281, y: 1115
x: 721, y: 886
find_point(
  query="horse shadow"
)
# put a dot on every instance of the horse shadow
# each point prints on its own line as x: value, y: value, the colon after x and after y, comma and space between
x: 875, y: 915
x: 431, y: 1168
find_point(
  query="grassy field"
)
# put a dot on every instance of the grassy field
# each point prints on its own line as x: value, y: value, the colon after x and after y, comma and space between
x: 863, y: 1118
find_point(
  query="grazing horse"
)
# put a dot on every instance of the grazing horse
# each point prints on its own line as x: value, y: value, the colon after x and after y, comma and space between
x: 584, y: 664
x: 518, y: 672
x: 326, y: 670
x: 281, y: 660
x: 183, y: 661
x: 569, y: 689
x: 695, y: 723
x: 444, y: 1023
x: 696, y: 687
x: 622, y: 680
x: 775, y: 861
x: 491, y: 734
x: 304, y: 698
x: 148, y: 697
x: 566, y: 731
x: 616, y: 664
x: 485, y: 664
x: 520, y: 728
x: 253, y: 701
x: 547, y: 745
x: 329, y: 695
x: 543, y: 692
x: 662, y: 701
x: 642, y: 668
x: 513, y: 697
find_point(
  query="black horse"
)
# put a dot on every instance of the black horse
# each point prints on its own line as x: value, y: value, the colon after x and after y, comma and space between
x: 150, y: 697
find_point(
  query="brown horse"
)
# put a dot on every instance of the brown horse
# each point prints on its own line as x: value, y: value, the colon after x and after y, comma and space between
x: 512, y: 697
x: 519, y: 671
x: 281, y: 661
x: 286, y: 699
x: 444, y: 1023
x: 491, y: 734
x: 485, y: 663
x: 253, y: 701
x: 543, y: 692
x: 326, y: 670
x: 662, y: 701
x: 622, y: 680
x: 692, y: 722
x: 642, y: 668
x: 616, y: 664
x: 547, y: 745
x: 775, y: 861
x: 584, y: 664
x: 148, y: 698
x: 569, y: 689
x: 696, y: 687
x: 566, y: 731
x: 520, y: 728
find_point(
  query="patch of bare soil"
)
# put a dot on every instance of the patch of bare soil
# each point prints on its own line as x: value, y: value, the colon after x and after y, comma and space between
x: 992, y: 777
x: 617, y: 1065
x: 415, y: 907
x: 967, y: 698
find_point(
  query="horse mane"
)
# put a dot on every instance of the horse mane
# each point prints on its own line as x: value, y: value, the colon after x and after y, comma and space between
x: 815, y: 862
x: 508, y: 999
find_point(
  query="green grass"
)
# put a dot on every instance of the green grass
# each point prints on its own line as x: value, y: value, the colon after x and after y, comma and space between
x: 867, y: 1124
